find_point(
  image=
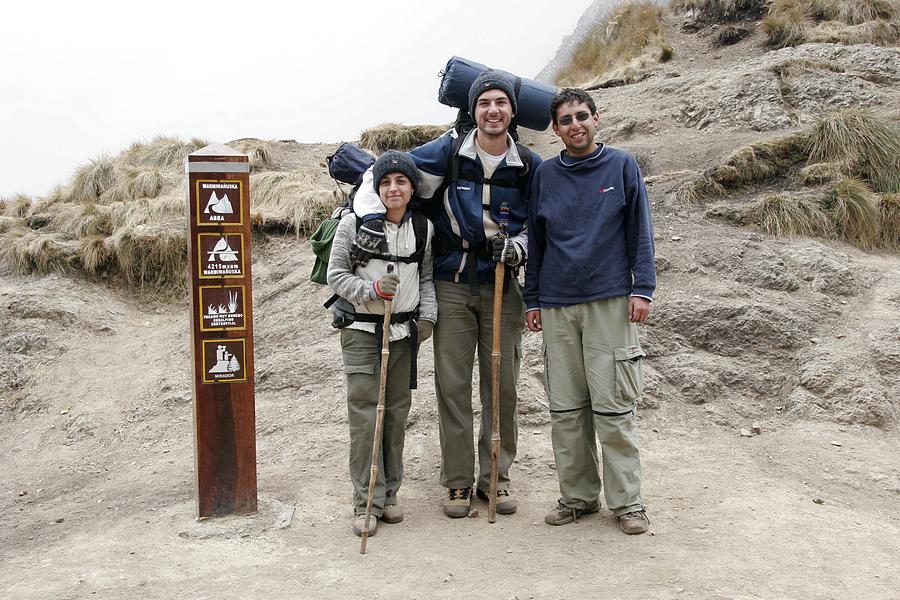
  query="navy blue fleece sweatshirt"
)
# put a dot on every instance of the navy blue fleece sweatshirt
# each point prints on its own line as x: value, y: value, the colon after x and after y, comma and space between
x: 590, y: 235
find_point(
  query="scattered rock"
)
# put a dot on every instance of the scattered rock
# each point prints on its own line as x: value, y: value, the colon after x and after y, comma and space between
x: 756, y: 429
x: 838, y: 444
x: 818, y: 501
x: 746, y: 433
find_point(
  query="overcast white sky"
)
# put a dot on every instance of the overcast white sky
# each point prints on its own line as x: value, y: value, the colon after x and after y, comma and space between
x: 79, y: 79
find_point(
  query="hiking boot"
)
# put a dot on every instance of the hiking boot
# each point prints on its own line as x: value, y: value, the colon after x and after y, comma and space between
x: 506, y: 504
x: 564, y: 514
x: 392, y: 514
x: 360, y: 522
x: 634, y: 522
x: 456, y: 504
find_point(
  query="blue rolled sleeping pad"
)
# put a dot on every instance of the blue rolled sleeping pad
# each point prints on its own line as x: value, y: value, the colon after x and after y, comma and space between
x: 533, y: 98
x: 348, y: 163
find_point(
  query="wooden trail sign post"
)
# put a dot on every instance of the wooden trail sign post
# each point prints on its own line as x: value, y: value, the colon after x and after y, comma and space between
x: 218, y: 193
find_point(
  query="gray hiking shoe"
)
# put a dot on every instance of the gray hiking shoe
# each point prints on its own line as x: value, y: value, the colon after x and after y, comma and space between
x: 456, y: 504
x: 392, y: 514
x: 564, y: 514
x: 360, y: 521
x: 506, y: 504
x: 634, y: 522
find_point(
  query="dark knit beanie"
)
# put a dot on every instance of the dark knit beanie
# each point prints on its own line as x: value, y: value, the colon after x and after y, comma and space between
x: 393, y: 161
x: 491, y: 80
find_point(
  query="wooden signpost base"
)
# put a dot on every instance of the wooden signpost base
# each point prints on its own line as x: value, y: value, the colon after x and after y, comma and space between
x: 218, y: 193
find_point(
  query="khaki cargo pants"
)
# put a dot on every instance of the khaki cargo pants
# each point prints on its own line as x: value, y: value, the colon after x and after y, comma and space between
x: 592, y: 366
x: 466, y: 321
x: 362, y: 365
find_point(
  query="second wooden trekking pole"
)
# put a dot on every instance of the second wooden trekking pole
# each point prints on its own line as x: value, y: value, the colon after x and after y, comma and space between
x: 379, y: 418
x: 496, y: 358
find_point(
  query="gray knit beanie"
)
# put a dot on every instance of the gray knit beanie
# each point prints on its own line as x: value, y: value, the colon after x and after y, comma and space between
x: 394, y: 161
x: 491, y: 80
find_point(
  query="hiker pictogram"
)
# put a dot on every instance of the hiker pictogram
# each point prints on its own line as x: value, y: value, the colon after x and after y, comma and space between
x: 223, y: 360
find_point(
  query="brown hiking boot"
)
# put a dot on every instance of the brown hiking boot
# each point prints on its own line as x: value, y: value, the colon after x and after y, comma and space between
x: 564, y: 514
x: 634, y: 522
x: 506, y: 504
x: 456, y: 504
x: 392, y: 513
x: 360, y: 521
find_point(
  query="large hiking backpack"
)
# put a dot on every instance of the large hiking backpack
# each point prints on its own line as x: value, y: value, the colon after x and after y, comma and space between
x: 347, y: 165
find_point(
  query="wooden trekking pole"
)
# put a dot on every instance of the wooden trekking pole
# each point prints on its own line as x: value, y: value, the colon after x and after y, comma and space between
x: 379, y: 417
x: 499, y: 276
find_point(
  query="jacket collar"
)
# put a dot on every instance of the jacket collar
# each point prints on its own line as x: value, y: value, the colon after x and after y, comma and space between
x: 467, y: 149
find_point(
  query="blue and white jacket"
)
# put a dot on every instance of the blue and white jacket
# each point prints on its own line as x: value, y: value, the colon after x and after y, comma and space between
x: 469, y: 213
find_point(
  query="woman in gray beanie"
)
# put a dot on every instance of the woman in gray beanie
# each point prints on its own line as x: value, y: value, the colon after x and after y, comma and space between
x: 366, y: 287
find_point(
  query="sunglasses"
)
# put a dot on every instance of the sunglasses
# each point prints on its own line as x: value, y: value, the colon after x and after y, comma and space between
x: 567, y: 120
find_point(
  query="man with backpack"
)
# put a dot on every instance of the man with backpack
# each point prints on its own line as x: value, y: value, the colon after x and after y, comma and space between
x: 590, y: 281
x: 404, y: 277
x: 464, y: 182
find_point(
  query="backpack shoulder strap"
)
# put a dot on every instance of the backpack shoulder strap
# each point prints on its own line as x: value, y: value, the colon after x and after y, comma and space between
x: 420, y: 230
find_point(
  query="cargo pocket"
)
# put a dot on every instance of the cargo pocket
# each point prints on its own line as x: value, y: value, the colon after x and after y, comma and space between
x: 629, y: 373
x: 364, y: 369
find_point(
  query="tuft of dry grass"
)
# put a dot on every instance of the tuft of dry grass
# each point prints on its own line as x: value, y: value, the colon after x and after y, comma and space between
x: 290, y: 201
x: 855, y: 12
x: 699, y: 189
x: 720, y: 11
x: 25, y: 251
x: 394, y: 136
x: 794, y: 67
x: 162, y: 152
x: 864, y: 143
x: 132, y: 183
x: 81, y: 220
x: 783, y: 214
x: 819, y: 173
x: 794, y: 22
x: 729, y: 34
x: 635, y: 30
x: 150, y: 255
x: 759, y: 162
x: 92, y: 179
x: 95, y: 256
x: 880, y: 33
x: 889, y: 221
x: 788, y: 26
x: 17, y: 206
x: 260, y: 152
x: 853, y: 209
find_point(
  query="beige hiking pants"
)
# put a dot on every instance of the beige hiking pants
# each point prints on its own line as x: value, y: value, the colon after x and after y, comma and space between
x: 592, y: 366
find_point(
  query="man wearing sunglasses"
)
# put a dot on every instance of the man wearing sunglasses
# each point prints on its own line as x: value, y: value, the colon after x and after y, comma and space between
x: 589, y: 281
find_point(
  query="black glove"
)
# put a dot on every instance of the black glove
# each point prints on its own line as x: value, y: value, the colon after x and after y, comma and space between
x: 504, y: 250
x: 369, y: 241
